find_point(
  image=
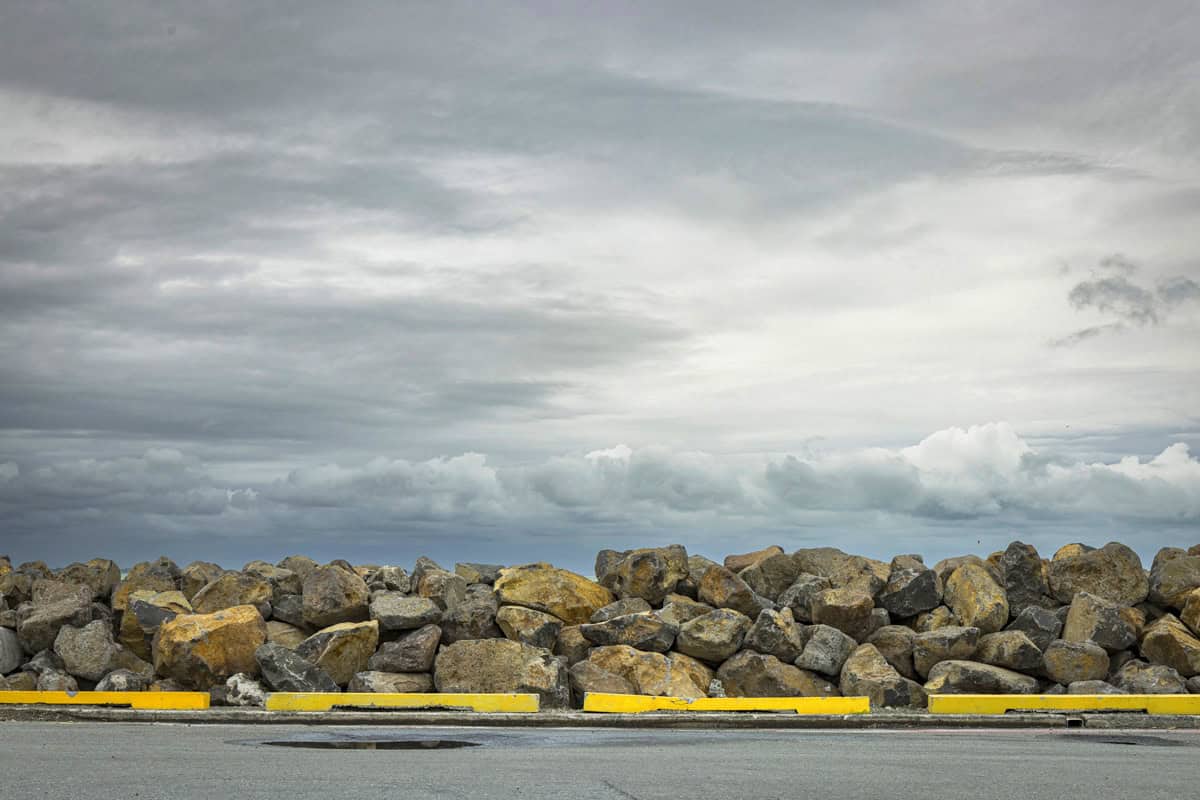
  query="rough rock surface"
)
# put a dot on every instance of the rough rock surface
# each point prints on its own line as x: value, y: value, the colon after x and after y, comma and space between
x: 895, y: 643
x: 343, y: 649
x: 911, y: 588
x: 714, y: 636
x: 1009, y: 649
x: 1040, y: 625
x: 1025, y: 579
x: 502, y: 665
x: 867, y: 673
x: 401, y: 682
x: 640, y: 631
x: 397, y: 612
x: 1172, y: 580
x: 232, y: 589
x: 1094, y: 619
x: 1113, y: 572
x: 1138, y: 677
x: 750, y: 674
x: 649, y: 573
x: 203, y: 650
x: 284, y: 670
x: 526, y: 625
x: 970, y: 677
x: 570, y: 597
x: 720, y: 588
x: 847, y: 609
x: 826, y: 650
x: 977, y: 599
x: 951, y: 643
x: 473, y: 617
x: 1066, y: 662
x: 776, y: 633
x: 1168, y: 641
x: 412, y: 652
x: 333, y: 595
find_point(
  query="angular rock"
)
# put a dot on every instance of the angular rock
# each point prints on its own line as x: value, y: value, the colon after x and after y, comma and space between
x: 54, y: 681
x: 630, y: 605
x: 848, y: 610
x: 776, y: 633
x: 860, y: 574
x: 342, y: 650
x: 155, y: 576
x: 444, y: 588
x: 123, y: 680
x: 289, y: 608
x: 38, y: 623
x: 397, y: 612
x: 699, y: 673
x: 502, y: 665
x: 1009, y: 649
x: 750, y: 674
x: 826, y: 650
x: 678, y: 609
x: 1025, y: 582
x: 867, y: 673
x: 714, y: 636
x: 284, y: 634
x: 911, y: 588
x: 770, y: 576
x: 1190, y: 613
x: 639, y: 631
x: 1093, y: 687
x: 20, y: 682
x: 946, y: 567
x: 478, y: 573
x: 606, y: 565
x: 1193, y: 684
x: 895, y: 644
x: 282, y: 581
x: 798, y: 597
x: 951, y: 643
x: 570, y: 597
x: 571, y: 645
x: 1138, y: 677
x: 940, y: 617
x: 474, y: 617
x: 11, y: 654
x: 333, y: 595
x: 1066, y: 662
x: 394, y: 579
x: 649, y: 573
x: 1040, y: 625
x: 233, y: 589
x: 720, y: 588
x: 391, y: 682
x: 970, y: 677
x: 86, y: 652
x: 586, y: 676
x: 526, y: 625
x: 44, y: 661
x: 649, y: 673
x: 413, y: 652
x: 976, y: 599
x: 301, y: 565
x: 1094, y: 619
x: 737, y: 563
x: 284, y: 670
x: 1167, y: 641
x: 203, y: 650
x: 243, y: 690
x: 196, y: 575
x: 1172, y: 580
x: 1114, y: 572
x: 100, y: 575
x: 146, y: 611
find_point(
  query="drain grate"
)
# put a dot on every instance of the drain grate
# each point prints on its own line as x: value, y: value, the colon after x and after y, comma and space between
x: 373, y: 744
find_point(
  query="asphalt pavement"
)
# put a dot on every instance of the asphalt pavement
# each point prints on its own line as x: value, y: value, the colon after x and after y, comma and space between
x: 97, y: 761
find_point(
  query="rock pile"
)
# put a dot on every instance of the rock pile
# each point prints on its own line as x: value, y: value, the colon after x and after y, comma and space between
x: 815, y: 622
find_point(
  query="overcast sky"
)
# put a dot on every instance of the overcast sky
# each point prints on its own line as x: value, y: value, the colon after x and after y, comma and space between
x: 502, y: 282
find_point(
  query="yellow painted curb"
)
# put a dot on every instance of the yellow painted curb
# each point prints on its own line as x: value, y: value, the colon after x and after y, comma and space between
x: 637, y: 703
x: 1003, y: 703
x: 162, y: 701
x: 325, y: 701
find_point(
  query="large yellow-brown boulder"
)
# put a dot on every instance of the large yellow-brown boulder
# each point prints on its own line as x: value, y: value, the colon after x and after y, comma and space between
x: 232, y: 589
x: 1168, y: 641
x: 1113, y: 572
x: 977, y: 599
x: 568, y: 596
x: 342, y: 650
x: 202, y: 650
x: 332, y: 594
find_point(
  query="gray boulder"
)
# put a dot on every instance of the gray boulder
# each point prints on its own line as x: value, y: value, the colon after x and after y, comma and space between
x: 397, y: 612
x: 1041, y: 625
x: 951, y: 643
x: 640, y: 631
x: 826, y: 650
x: 123, y: 680
x: 911, y: 588
x: 412, y: 652
x: 284, y: 670
x: 776, y: 633
x: 713, y: 637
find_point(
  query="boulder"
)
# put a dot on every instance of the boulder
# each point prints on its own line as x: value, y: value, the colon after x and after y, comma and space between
x: 697, y: 672
x: 334, y: 595
x: 289, y: 608
x: 1114, y: 572
x: 714, y: 636
x: 38, y: 623
x: 571, y: 645
x: 640, y: 631
x: 720, y: 588
x: 301, y: 565
x: 282, y: 581
x: 1025, y: 581
x: 342, y: 650
x: 203, y: 650
x: 568, y: 596
x: 798, y: 597
x: 1009, y: 649
x: 146, y: 611
x: 123, y: 680
x: 648, y: 673
x: 11, y: 653
x: 770, y: 576
x: 155, y: 576
x: 397, y: 612
x: 242, y: 690
x: 397, y: 579
x: 100, y: 575
x: 1190, y: 613
x: 1138, y: 677
x: 473, y: 617
x: 976, y: 599
x: 848, y: 610
x: 478, y: 573
x: 586, y: 676
x: 1093, y: 687
x: 86, y: 652
x: 970, y: 677
x: 606, y: 565
x: 860, y: 574
x: 44, y: 661
x: 940, y: 617
x: 750, y: 674
x: 776, y: 633
x: 649, y: 573
x: 287, y: 635
x: 678, y: 609
x: 233, y: 589
x: 1172, y: 580
x: 1040, y: 625
x: 630, y: 605
x: 1094, y: 619
x: 284, y: 670
x: 1167, y: 641
x: 412, y: 652
x: 54, y: 681
x: 391, y: 682
x: 20, y: 682
x: 737, y: 563
x: 946, y: 567
x: 867, y: 673
x: 911, y: 588
x: 444, y: 588
x: 195, y: 576
x: 895, y: 644
x: 951, y: 643
x: 526, y: 625
x: 825, y: 650
x: 1066, y: 662
x: 502, y: 665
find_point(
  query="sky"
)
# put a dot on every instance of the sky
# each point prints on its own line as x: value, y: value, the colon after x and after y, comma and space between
x: 508, y: 282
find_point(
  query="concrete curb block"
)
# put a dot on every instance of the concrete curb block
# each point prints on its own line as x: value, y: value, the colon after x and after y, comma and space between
x: 574, y: 719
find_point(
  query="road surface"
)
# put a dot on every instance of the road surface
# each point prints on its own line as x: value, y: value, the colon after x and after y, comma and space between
x: 98, y: 761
